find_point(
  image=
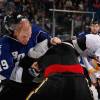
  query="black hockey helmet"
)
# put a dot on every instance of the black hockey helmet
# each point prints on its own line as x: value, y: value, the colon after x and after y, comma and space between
x: 10, y: 21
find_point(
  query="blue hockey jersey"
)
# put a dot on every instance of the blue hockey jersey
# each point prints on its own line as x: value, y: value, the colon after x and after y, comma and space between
x: 11, y: 51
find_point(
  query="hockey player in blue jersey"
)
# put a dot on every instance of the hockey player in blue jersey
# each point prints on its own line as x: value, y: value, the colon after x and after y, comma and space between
x: 23, y: 36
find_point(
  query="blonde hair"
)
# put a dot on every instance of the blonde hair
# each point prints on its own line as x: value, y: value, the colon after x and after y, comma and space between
x: 23, y: 25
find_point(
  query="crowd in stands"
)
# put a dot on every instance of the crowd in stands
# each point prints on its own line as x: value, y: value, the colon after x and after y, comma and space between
x: 38, y: 11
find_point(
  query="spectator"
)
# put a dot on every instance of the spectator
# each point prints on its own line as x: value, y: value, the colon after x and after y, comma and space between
x: 9, y: 10
x: 2, y: 13
x: 96, y: 8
